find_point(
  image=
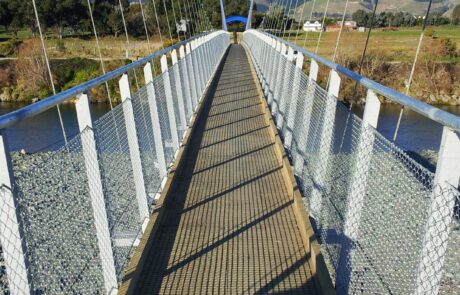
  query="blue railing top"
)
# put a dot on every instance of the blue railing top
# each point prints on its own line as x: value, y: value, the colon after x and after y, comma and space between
x: 31, y: 110
x: 442, y: 117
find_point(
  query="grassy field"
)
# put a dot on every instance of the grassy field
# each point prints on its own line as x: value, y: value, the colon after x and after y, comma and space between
x: 394, y: 46
x: 85, y: 46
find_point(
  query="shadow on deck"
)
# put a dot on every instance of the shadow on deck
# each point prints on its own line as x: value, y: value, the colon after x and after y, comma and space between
x: 230, y: 223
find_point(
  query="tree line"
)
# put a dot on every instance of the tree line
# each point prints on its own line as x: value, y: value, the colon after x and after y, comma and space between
x: 398, y: 19
x: 72, y: 16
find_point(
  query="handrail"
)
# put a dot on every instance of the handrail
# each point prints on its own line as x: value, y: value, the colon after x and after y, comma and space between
x: 15, y: 117
x: 434, y: 113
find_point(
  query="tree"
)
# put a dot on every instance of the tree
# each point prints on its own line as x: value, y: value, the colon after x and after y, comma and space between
x: 456, y: 15
x: 5, y: 15
x: 361, y: 17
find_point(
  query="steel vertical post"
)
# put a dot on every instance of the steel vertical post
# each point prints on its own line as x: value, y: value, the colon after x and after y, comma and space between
x: 93, y: 174
x: 321, y: 173
x: 186, y: 81
x: 438, y: 226
x: 357, y: 190
x: 179, y: 94
x: 294, y: 101
x: 11, y: 233
x: 154, y: 116
x: 169, y: 103
x: 141, y: 195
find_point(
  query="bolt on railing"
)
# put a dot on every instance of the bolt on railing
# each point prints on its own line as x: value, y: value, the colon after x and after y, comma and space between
x: 69, y: 223
x: 387, y: 225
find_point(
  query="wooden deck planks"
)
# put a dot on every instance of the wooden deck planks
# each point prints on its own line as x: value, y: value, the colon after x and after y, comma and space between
x: 230, y: 228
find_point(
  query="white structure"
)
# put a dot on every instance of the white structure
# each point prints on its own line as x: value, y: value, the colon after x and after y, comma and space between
x: 312, y: 27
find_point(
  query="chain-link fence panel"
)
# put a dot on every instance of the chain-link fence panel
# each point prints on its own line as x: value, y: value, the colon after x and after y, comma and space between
x: 118, y: 184
x: 376, y: 210
x: 160, y: 97
x: 145, y: 137
x: 58, y: 221
x: 178, y: 100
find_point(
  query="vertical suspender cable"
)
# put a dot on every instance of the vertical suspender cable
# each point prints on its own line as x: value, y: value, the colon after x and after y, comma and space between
x: 371, y: 25
x: 300, y: 22
x: 363, y: 56
x: 145, y: 26
x: 49, y: 70
x: 99, y: 52
x: 411, y: 76
x: 322, y: 26
x: 311, y: 16
x: 175, y: 19
x: 127, y: 41
x: 280, y: 18
x: 167, y: 21
x: 293, y: 18
x: 340, y: 32
x: 287, y: 20
x: 158, y: 24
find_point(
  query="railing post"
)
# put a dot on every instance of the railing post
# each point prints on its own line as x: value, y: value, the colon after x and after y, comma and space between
x: 271, y: 61
x: 321, y: 172
x: 169, y: 102
x: 440, y: 214
x: 305, y: 117
x: 195, y: 70
x: 96, y: 193
x: 11, y: 233
x: 187, y: 90
x: 357, y: 189
x: 191, y: 75
x: 285, y: 91
x: 153, y: 108
x: 273, y: 84
x: 141, y: 196
x: 280, y: 82
x: 179, y: 94
x: 294, y: 101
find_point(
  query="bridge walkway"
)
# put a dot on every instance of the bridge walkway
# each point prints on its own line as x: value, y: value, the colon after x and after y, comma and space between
x: 230, y: 228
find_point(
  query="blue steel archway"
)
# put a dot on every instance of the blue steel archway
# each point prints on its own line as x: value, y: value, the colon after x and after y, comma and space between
x: 236, y: 18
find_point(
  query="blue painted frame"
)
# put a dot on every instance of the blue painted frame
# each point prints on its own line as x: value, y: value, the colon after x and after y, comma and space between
x: 236, y: 18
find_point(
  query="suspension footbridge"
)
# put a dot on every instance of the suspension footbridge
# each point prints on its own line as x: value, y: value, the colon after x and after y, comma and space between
x: 230, y: 172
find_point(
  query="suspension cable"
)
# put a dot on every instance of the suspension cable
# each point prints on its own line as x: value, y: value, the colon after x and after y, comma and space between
x: 311, y: 16
x: 340, y: 32
x: 175, y: 19
x: 287, y: 19
x: 293, y: 18
x: 167, y: 21
x: 280, y: 17
x: 300, y: 22
x: 127, y: 42
x: 322, y: 27
x: 411, y: 76
x: 99, y: 52
x: 145, y: 25
x: 49, y: 70
x: 158, y: 24
x: 359, y: 72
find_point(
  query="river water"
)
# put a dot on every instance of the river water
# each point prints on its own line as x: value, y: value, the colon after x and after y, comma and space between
x: 43, y: 132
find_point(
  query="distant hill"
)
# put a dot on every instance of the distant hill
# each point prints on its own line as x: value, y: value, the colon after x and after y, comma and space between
x: 336, y: 7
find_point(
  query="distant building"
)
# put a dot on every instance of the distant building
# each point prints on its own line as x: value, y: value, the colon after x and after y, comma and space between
x: 348, y: 26
x: 362, y: 29
x: 313, y: 27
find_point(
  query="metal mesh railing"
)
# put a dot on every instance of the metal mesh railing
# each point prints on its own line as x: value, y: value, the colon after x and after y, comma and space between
x: 385, y: 225
x: 58, y: 223
x: 75, y: 214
